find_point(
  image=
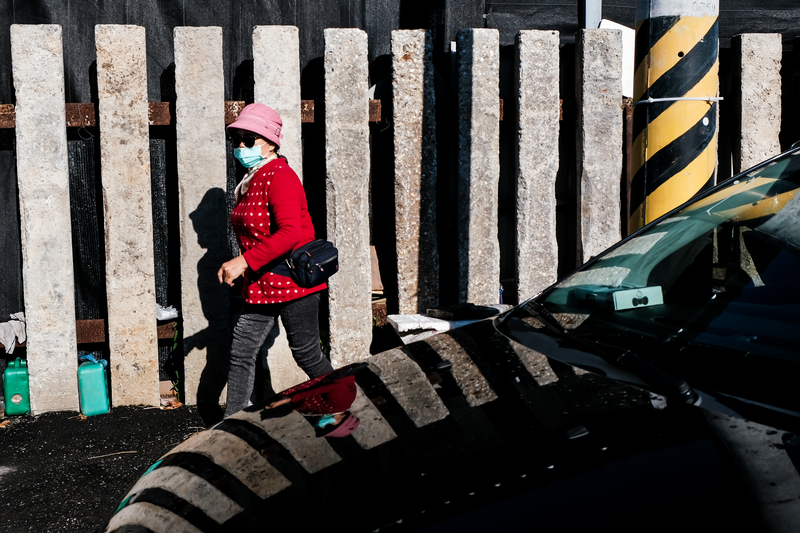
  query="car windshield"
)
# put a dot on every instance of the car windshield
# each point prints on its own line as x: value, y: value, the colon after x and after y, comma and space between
x: 724, y: 271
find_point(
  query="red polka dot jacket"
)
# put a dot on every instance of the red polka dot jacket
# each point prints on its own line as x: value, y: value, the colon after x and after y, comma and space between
x: 270, y: 220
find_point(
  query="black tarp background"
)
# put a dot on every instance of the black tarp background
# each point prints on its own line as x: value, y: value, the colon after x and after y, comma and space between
x: 237, y: 19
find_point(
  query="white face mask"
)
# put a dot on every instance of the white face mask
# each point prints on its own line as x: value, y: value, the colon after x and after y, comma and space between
x: 249, y: 157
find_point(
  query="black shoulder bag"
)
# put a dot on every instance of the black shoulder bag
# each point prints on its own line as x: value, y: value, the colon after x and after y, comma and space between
x: 311, y: 264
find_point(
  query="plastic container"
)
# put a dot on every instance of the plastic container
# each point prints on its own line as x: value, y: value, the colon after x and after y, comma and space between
x: 93, y: 388
x: 17, y: 390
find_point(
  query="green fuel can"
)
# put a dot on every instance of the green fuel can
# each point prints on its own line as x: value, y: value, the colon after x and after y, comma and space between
x: 93, y: 386
x: 16, y: 388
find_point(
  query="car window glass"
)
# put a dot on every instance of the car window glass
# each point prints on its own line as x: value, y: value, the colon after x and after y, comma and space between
x: 723, y: 271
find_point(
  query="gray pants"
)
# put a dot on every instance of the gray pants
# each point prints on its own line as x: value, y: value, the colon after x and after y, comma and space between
x: 256, y: 321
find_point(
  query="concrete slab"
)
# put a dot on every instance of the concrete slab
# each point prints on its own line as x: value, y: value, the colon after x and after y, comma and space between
x: 598, y: 89
x: 43, y: 182
x: 414, y: 119
x: 276, y: 67
x: 537, y: 83
x: 202, y: 164
x: 127, y: 201
x: 759, y: 103
x: 478, y: 165
x: 347, y: 160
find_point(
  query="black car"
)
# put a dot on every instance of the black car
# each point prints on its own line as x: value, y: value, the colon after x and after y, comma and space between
x: 574, y: 411
x: 702, y: 306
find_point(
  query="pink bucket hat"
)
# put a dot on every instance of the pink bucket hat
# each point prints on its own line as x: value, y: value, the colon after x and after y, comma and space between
x: 262, y: 120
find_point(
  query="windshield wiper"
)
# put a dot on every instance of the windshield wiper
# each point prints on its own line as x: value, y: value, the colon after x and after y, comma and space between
x: 672, y: 387
x: 539, y: 310
x: 661, y: 382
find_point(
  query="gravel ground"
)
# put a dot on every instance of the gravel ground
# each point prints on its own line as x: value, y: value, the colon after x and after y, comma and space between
x: 61, y: 473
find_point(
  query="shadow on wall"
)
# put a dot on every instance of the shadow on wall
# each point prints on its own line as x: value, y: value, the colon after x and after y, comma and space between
x: 312, y: 87
x: 210, y: 226
x: 382, y: 181
x: 166, y: 221
x: 11, y: 258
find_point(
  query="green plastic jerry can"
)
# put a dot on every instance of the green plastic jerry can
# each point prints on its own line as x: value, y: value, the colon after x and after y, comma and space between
x: 93, y: 386
x: 17, y: 390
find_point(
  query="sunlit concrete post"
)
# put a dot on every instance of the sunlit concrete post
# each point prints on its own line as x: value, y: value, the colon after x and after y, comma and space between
x: 414, y: 119
x: 202, y: 161
x: 757, y: 70
x: 276, y: 67
x: 276, y: 58
x: 599, y: 131
x: 537, y: 64
x: 478, y: 165
x: 127, y: 200
x: 347, y: 192
x: 43, y: 181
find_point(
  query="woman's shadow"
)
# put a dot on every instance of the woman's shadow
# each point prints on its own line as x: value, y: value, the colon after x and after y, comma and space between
x: 210, y: 226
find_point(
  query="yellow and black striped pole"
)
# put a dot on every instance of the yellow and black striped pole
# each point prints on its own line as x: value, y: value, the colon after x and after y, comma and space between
x: 675, y: 93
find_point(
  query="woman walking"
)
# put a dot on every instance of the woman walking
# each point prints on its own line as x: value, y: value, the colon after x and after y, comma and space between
x: 270, y: 219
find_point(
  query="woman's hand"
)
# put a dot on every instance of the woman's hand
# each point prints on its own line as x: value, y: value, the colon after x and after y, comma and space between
x: 277, y: 403
x: 231, y: 270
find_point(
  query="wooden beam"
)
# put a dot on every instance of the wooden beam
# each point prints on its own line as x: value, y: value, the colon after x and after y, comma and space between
x: 307, y: 111
x: 80, y: 115
x: 8, y: 117
x: 90, y: 331
x: 84, y: 115
x: 627, y: 161
x: 94, y: 331
x: 158, y: 114
x: 374, y: 110
x: 232, y: 110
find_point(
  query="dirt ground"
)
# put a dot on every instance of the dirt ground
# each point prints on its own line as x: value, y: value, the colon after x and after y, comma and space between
x: 61, y: 473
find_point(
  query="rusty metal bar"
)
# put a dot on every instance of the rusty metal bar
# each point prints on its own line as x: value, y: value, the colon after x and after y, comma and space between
x: 80, y: 115
x: 232, y: 110
x: 94, y: 331
x: 627, y: 159
x: 158, y: 114
x: 374, y: 110
x: 8, y: 117
x: 85, y: 116
x: 307, y: 111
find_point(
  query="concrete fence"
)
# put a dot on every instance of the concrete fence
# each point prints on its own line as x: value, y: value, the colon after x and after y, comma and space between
x: 199, y: 119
